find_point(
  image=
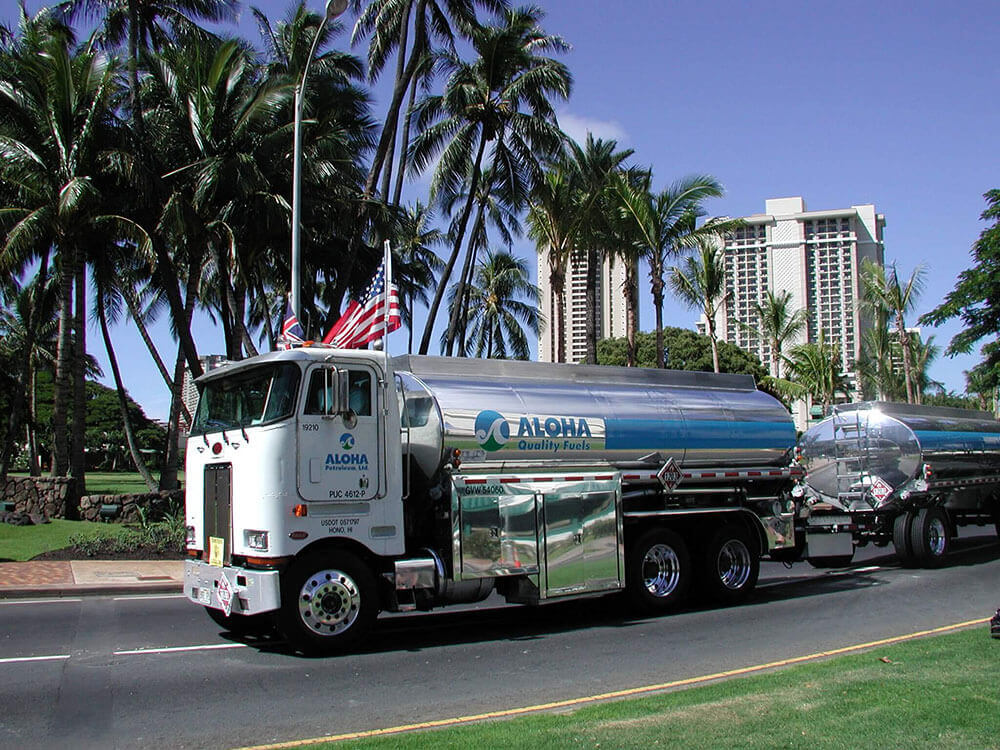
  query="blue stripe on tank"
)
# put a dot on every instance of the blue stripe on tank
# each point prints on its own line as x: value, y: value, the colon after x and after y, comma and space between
x: 945, y: 440
x: 676, y: 434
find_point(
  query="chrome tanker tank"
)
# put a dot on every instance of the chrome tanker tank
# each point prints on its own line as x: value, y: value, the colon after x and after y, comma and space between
x: 866, y: 454
x: 541, y: 415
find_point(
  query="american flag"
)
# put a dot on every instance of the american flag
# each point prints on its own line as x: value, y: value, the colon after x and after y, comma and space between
x: 375, y: 316
x: 291, y: 332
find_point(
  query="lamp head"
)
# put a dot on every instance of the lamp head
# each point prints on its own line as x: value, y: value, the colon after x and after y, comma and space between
x: 335, y: 8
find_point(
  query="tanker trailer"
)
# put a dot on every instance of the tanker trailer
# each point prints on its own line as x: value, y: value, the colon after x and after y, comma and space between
x: 884, y: 472
x: 325, y: 485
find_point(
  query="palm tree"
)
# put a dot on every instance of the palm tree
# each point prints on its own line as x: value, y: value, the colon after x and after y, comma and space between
x: 554, y: 224
x: 700, y: 282
x: 415, y: 262
x: 775, y: 320
x: 497, y: 207
x: 816, y: 367
x: 28, y: 327
x: 337, y: 134
x: 502, y: 96
x: 666, y: 225
x: 146, y: 24
x: 884, y: 292
x: 597, y: 163
x: 875, y: 365
x: 388, y: 23
x: 498, y: 311
x: 58, y: 108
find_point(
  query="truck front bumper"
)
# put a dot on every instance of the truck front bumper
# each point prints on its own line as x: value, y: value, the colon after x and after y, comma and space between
x: 254, y: 591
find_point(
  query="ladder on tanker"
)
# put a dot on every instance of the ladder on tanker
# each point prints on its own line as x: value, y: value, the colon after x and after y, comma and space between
x: 850, y: 441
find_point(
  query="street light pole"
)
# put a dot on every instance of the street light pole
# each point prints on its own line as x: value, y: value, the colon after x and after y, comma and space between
x: 334, y: 8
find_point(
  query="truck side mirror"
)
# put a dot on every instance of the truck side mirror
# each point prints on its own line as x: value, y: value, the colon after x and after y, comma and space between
x: 336, y: 385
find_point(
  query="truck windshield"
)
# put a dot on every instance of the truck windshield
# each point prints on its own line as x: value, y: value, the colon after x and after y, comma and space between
x: 256, y: 396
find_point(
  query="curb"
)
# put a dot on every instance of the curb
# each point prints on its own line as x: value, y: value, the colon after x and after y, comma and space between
x: 66, y: 590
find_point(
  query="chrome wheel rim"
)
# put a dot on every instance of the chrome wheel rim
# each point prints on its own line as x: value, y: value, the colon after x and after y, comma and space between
x: 661, y: 570
x: 329, y: 602
x: 734, y: 565
x: 936, y: 537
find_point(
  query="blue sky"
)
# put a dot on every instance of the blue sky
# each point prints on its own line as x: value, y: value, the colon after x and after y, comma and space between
x: 843, y: 103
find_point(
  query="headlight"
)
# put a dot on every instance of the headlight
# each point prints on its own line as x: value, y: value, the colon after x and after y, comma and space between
x: 255, y: 539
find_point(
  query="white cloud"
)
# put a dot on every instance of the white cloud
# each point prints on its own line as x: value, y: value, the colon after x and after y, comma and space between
x: 577, y: 127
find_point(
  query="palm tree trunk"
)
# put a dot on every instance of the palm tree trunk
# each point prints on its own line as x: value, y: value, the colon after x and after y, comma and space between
x: 656, y: 272
x: 557, y: 325
x: 591, y: 304
x: 398, y: 92
x: 133, y: 447
x: 460, y: 311
x: 78, y: 459
x: 170, y: 284
x: 425, y: 340
x: 140, y: 324
x: 405, y: 143
x: 171, y: 458
x: 631, y: 290
x: 64, y: 358
x: 404, y: 30
x: 904, y: 342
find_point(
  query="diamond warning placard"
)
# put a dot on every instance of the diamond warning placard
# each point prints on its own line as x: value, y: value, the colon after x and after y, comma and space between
x: 670, y: 475
x: 880, y: 489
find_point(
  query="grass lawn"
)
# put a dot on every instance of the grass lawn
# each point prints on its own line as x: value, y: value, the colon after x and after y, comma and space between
x: 119, y: 482
x: 927, y: 693
x: 115, y: 482
x: 19, y: 543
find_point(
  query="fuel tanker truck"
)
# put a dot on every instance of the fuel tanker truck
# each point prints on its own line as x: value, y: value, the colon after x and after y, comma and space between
x: 884, y: 472
x: 327, y: 485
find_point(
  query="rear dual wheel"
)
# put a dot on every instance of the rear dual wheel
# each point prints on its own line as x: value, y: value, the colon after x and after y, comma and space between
x: 730, y: 565
x: 930, y: 536
x: 658, y: 571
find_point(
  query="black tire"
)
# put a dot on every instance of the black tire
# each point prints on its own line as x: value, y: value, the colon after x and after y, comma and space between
x: 730, y: 565
x: 329, y: 602
x: 833, y: 561
x: 259, y: 625
x: 658, y: 571
x: 930, y: 537
x: 901, y: 530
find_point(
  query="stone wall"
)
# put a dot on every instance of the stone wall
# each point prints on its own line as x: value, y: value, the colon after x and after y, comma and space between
x: 39, y: 495
x: 47, y: 496
x: 127, y: 506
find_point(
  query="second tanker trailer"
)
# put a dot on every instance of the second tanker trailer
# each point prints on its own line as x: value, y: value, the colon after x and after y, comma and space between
x: 883, y: 472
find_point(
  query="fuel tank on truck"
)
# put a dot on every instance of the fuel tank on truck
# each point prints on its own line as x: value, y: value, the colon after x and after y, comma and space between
x: 865, y: 451
x: 550, y: 415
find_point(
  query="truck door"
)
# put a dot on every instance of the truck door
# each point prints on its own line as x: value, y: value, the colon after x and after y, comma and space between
x: 341, y: 456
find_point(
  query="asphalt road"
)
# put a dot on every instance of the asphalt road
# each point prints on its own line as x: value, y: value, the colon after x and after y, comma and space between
x: 110, y: 683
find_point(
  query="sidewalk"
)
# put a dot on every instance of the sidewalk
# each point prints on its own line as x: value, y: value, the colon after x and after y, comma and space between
x: 77, y: 577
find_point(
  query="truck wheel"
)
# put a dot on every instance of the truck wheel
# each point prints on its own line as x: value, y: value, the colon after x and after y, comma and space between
x: 328, y: 603
x: 929, y: 536
x: 258, y: 625
x: 730, y: 565
x: 658, y: 571
x: 901, y: 530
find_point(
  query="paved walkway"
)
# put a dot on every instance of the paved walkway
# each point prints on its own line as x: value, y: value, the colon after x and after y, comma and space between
x: 69, y: 578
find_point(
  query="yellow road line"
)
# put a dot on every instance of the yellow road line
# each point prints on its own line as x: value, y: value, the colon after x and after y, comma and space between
x: 626, y: 693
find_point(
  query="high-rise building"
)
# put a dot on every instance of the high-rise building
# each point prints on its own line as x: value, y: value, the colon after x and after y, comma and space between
x: 189, y: 391
x: 611, y: 311
x: 816, y: 256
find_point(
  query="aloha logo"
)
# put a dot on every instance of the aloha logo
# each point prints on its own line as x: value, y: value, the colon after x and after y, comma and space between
x: 492, y: 430
x: 347, y: 441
